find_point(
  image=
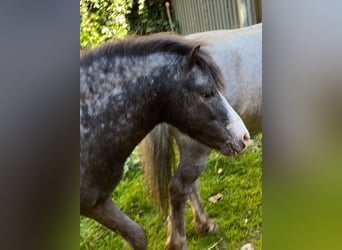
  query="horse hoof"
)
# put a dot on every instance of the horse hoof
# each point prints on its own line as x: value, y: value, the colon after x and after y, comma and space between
x: 210, y: 227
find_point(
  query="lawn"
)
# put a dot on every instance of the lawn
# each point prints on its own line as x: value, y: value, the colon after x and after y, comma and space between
x: 239, y: 212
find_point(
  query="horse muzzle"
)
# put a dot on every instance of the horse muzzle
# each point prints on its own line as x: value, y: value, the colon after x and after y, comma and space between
x: 236, y: 146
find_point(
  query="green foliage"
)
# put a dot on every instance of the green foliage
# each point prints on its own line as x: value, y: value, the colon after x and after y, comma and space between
x: 146, y: 19
x: 238, y: 213
x: 102, y: 20
x: 133, y: 162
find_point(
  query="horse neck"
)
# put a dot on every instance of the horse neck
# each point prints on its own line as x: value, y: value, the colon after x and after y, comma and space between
x: 132, y: 105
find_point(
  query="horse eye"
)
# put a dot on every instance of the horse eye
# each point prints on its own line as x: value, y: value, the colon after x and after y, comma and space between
x: 207, y: 94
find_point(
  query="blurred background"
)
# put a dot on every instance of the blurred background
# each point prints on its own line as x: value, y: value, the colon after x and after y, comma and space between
x: 104, y: 20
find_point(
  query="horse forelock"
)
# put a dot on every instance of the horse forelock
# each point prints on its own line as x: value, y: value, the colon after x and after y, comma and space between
x: 138, y: 46
x: 208, y: 65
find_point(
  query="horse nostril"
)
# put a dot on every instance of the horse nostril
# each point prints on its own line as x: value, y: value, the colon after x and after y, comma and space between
x: 246, y: 139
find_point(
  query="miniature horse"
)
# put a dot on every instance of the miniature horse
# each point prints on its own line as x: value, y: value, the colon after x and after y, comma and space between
x: 127, y: 88
x: 238, y: 54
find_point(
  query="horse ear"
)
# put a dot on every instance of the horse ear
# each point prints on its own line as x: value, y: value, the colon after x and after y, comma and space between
x: 194, y: 55
x: 191, y: 59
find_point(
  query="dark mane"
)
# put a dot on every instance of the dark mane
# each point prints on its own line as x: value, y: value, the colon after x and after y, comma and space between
x: 136, y: 46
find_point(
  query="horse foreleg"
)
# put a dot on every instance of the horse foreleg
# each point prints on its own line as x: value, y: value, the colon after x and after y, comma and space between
x: 180, y: 187
x: 203, y: 224
x: 112, y: 217
x: 176, y: 221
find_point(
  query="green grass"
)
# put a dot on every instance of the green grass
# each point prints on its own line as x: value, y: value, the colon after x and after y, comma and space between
x: 238, y: 213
